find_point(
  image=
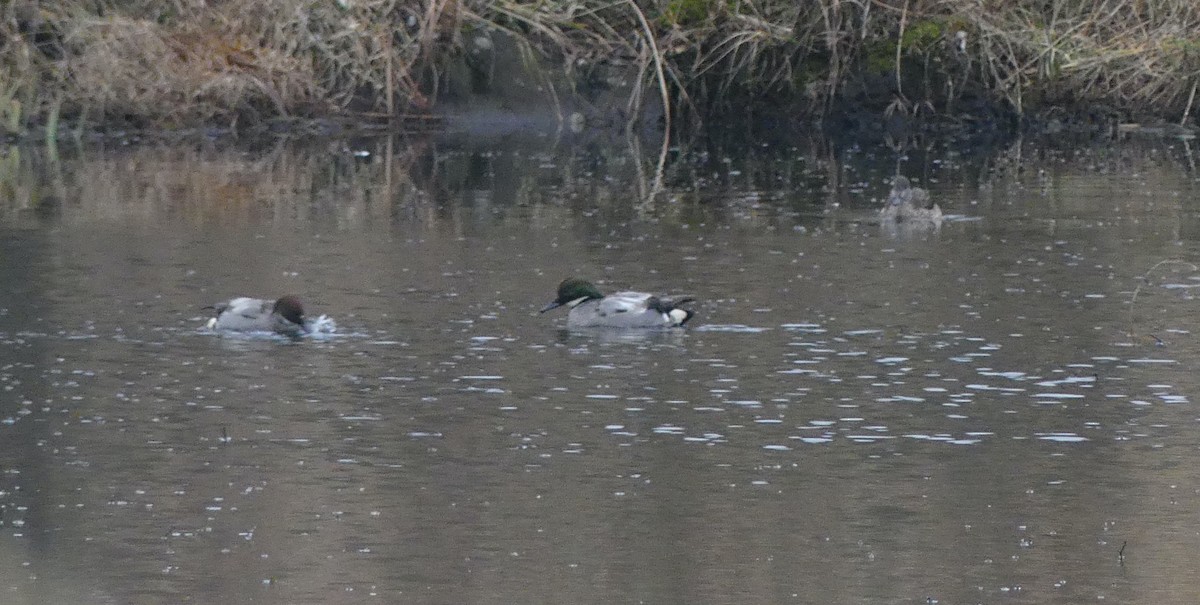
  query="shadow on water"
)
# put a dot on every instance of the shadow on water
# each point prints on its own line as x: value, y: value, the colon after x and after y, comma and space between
x: 861, y: 413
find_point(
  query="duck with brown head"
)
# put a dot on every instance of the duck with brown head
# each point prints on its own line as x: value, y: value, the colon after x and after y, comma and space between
x: 908, y: 203
x: 283, y: 316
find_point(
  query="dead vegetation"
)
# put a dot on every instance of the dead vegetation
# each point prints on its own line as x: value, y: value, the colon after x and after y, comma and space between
x: 179, y: 63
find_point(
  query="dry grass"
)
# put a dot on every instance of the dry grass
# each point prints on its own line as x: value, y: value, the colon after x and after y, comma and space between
x: 188, y: 62
x: 1141, y: 56
x: 137, y: 69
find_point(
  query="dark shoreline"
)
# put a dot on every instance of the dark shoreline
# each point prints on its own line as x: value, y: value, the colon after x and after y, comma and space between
x: 846, y: 126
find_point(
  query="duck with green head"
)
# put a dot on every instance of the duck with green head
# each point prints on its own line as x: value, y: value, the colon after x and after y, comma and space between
x: 591, y: 309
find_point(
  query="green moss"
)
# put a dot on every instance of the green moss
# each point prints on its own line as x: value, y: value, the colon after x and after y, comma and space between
x: 920, y: 36
x: 690, y: 12
x: 880, y: 56
x: 1185, y: 45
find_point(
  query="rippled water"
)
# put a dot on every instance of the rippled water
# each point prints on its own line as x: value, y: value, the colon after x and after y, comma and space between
x: 1002, y: 409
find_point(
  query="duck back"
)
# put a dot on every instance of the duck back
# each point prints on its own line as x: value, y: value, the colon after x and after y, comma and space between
x: 244, y: 314
x: 627, y: 310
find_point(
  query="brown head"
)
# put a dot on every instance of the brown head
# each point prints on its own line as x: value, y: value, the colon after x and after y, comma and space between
x: 290, y: 308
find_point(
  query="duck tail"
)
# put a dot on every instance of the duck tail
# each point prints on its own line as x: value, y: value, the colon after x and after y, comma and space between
x: 680, y: 316
x: 674, y: 309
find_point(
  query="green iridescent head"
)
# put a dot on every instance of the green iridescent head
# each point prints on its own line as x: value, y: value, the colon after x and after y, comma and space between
x: 571, y: 290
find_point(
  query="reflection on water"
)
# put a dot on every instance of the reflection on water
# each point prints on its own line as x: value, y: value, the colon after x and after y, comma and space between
x: 859, y: 414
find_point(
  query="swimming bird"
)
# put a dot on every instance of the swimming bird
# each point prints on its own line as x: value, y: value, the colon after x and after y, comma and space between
x: 591, y: 309
x: 284, y: 316
x: 908, y: 203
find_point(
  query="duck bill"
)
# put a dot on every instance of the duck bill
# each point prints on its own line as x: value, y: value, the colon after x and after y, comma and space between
x: 553, y: 305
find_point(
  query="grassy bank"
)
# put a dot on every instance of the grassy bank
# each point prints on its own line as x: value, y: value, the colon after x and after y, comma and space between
x: 184, y: 63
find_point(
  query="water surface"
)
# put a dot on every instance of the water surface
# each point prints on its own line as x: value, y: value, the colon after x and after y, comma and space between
x: 989, y: 411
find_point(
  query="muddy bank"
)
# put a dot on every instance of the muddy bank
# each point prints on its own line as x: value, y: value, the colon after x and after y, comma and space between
x: 272, y: 65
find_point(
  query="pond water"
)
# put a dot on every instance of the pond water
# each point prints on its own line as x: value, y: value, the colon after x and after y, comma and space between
x: 1002, y: 409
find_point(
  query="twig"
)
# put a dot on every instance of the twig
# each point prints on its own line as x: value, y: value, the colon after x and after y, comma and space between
x: 1164, y: 261
x: 388, y: 86
x: 658, y: 67
x: 666, y: 99
x: 1143, y: 279
x: 900, y: 47
x: 1188, y: 109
